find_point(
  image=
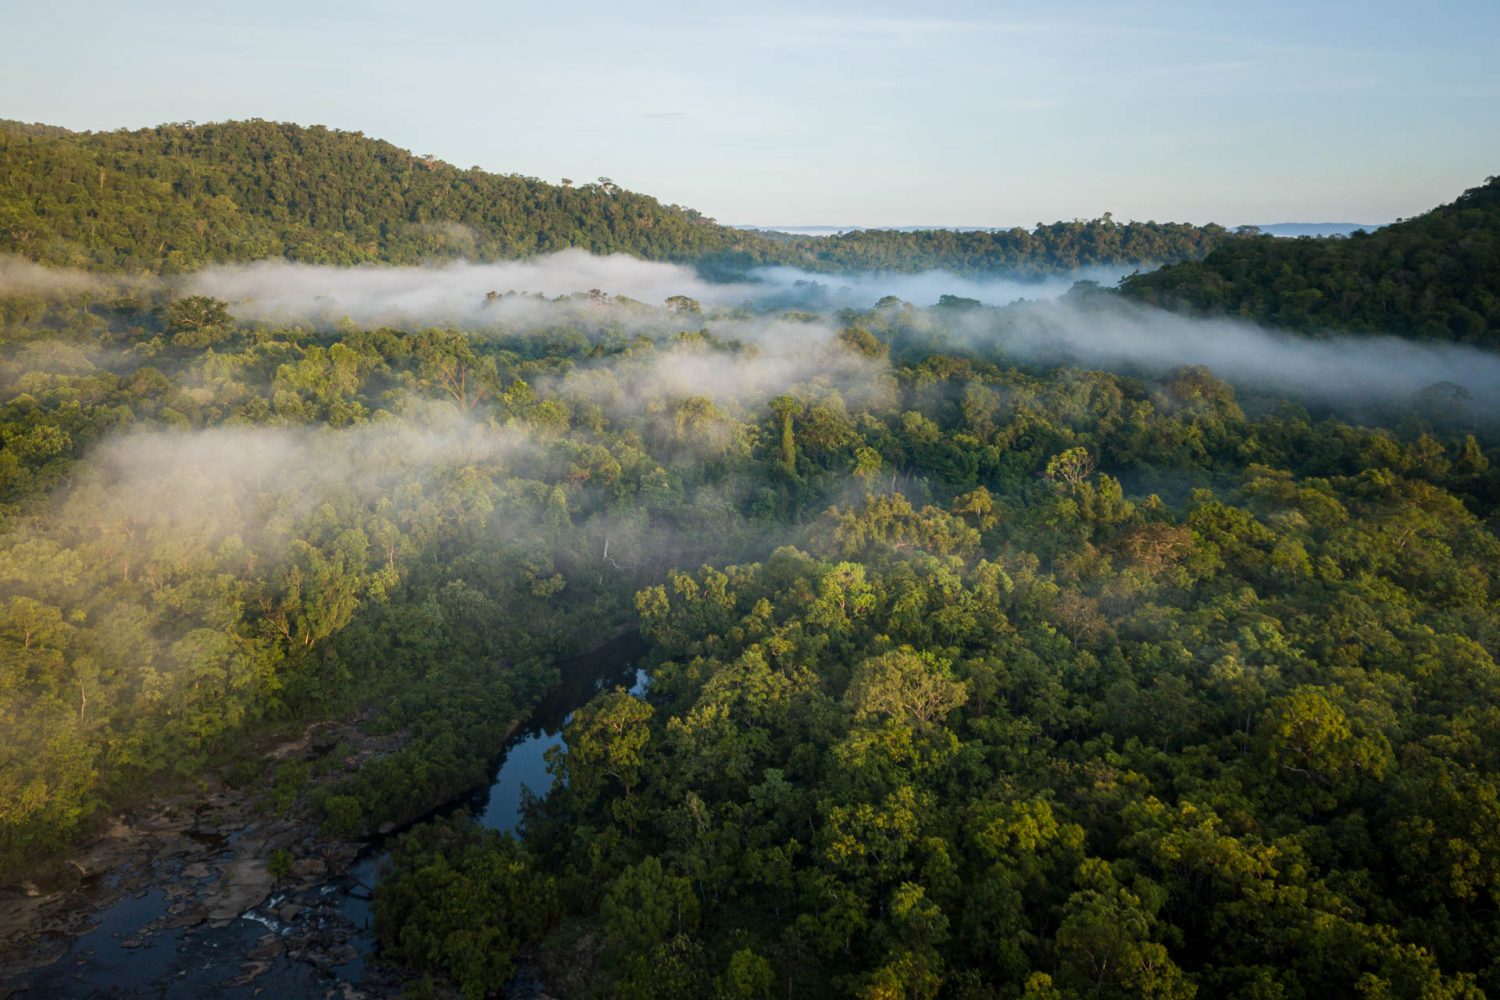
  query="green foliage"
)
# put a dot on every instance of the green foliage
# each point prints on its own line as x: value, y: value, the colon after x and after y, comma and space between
x: 1061, y: 742
x: 915, y: 688
x: 992, y: 682
x: 280, y: 864
x: 179, y: 196
x: 176, y: 197
x: 748, y: 977
x: 1435, y: 276
x: 464, y: 901
x: 1054, y: 247
x: 646, y: 906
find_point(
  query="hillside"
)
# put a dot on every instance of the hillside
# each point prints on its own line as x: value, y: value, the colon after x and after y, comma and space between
x: 175, y: 197
x: 1435, y: 276
x: 1049, y: 248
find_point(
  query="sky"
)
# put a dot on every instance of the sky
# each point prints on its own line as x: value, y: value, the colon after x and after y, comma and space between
x: 831, y: 113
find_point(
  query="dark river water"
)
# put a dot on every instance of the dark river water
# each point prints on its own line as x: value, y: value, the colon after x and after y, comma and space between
x: 115, y: 959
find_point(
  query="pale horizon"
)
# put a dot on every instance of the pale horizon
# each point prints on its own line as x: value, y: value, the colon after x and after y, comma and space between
x: 860, y: 113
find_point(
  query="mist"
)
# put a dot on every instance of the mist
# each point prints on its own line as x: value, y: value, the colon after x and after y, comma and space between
x: 459, y: 294
x: 20, y: 276
x: 177, y: 496
x: 792, y: 288
x: 755, y: 354
x: 741, y: 365
x: 1354, y: 373
x: 452, y: 294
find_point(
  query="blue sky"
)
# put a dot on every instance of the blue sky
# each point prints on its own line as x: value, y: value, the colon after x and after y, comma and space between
x: 871, y: 113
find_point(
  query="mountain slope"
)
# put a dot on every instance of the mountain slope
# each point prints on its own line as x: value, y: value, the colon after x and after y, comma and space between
x: 1434, y: 276
x: 176, y: 197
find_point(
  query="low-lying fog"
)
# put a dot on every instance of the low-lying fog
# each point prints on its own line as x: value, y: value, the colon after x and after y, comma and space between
x: 1038, y: 324
x: 456, y: 293
x: 1016, y: 321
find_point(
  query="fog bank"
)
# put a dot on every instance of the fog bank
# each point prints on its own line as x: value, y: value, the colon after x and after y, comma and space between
x: 1348, y: 371
x: 459, y: 294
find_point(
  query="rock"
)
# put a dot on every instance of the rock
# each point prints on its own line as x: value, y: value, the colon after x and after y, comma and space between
x: 197, y: 870
x: 289, y: 912
x: 341, y: 852
x: 310, y: 868
x: 343, y: 954
x: 280, y: 840
x: 386, y: 828
x: 248, y: 972
x: 268, y: 947
x: 188, y: 917
x: 246, y: 882
x: 131, y: 942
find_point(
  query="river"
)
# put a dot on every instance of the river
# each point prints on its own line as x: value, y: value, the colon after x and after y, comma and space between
x: 133, y: 951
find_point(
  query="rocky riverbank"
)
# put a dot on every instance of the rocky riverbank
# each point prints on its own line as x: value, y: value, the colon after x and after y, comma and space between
x: 178, y: 898
x: 191, y: 875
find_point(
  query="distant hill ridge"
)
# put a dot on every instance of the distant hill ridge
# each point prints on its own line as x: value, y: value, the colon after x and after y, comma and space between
x: 1271, y: 228
x: 176, y: 197
x: 1433, y: 276
x: 1291, y: 229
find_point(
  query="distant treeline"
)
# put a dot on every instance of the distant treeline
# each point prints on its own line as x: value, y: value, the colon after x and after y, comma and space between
x: 1434, y: 276
x: 1061, y: 246
x: 176, y: 197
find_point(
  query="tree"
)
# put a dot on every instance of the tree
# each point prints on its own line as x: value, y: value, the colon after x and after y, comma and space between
x: 1072, y: 467
x: 1104, y: 944
x: 917, y: 688
x: 785, y: 408
x: 645, y: 906
x: 747, y: 977
x: 1306, y: 736
x: 198, y: 321
x: 606, y: 739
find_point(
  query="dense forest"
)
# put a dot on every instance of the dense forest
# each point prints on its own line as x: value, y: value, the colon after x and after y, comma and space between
x: 1054, y: 247
x: 968, y: 679
x: 176, y: 197
x: 970, y: 676
x: 1436, y: 276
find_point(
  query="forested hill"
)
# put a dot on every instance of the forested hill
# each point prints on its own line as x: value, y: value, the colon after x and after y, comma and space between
x: 176, y: 197
x: 1435, y: 276
x: 1049, y: 248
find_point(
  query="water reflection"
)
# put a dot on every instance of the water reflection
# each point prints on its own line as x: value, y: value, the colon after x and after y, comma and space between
x: 524, y: 764
x: 119, y: 958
